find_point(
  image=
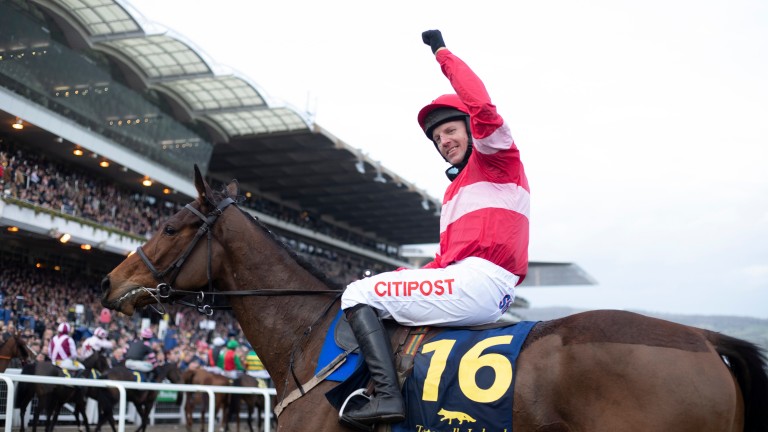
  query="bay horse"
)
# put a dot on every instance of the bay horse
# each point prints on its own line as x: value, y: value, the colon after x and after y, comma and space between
x: 143, y: 400
x: 12, y: 346
x: 50, y: 397
x: 254, y: 403
x: 594, y: 371
x: 199, y: 400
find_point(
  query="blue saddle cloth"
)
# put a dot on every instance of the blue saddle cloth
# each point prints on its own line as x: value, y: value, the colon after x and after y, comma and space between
x: 331, y: 350
x: 139, y: 377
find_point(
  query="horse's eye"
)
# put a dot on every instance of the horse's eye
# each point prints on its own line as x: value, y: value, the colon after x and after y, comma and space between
x: 169, y: 230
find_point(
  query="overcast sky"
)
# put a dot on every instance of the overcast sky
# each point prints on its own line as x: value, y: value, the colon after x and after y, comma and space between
x: 643, y: 126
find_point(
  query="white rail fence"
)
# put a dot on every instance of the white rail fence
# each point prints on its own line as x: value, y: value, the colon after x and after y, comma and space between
x: 11, y: 379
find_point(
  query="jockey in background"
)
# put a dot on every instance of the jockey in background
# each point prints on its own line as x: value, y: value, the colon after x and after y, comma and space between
x: 211, y: 364
x: 140, y: 355
x: 255, y: 368
x: 229, y: 360
x: 96, y: 343
x: 63, y: 351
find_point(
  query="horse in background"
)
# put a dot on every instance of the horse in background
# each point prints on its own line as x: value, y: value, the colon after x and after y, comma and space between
x: 199, y: 400
x: 50, y: 397
x: 13, y: 346
x: 594, y: 371
x: 143, y: 400
x: 98, y: 362
x: 254, y: 403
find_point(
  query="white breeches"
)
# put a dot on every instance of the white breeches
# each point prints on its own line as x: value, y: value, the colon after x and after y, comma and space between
x: 470, y: 292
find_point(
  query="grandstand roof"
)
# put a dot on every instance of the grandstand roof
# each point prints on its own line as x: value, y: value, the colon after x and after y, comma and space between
x: 269, y: 148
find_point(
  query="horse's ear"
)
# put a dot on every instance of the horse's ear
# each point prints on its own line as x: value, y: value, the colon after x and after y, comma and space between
x: 233, y: 189
x: 203, y: 190
x: 199, y: 182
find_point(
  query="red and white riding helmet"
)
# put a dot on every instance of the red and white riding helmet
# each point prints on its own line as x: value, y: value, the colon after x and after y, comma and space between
x: 63, y: 328
x: 100, y: 333
x: 445, y: 108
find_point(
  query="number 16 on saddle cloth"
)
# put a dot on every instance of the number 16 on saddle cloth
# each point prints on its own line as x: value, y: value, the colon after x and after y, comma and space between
x: 462, y: 379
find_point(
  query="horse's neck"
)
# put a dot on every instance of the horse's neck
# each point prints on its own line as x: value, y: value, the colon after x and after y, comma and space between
x: 285, y: 333
x: 275, y: 325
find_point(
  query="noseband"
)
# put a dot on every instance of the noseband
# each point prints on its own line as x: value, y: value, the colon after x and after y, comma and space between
x: 164, y: 289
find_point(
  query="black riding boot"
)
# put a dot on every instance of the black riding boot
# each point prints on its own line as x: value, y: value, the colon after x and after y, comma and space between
x: 386, y: 406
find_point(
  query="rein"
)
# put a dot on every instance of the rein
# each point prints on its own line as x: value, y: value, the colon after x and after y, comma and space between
x: 164, y: 289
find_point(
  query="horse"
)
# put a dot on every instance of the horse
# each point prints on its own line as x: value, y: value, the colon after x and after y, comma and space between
x: 253, y: 402
x: 98, y: 361
x: 50, y: 397
x: 12, y: 346
x: 143, y: 400
x: 200, y: 376
x: 601, y: 370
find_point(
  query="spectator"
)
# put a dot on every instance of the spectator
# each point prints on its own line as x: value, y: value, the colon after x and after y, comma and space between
x: 105, y: 317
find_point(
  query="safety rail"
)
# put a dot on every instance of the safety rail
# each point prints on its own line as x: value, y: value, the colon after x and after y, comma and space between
x: 122, y: 386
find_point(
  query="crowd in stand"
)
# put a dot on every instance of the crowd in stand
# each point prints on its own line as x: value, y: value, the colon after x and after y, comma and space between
x: 33, y: 178
x: 35, y: 301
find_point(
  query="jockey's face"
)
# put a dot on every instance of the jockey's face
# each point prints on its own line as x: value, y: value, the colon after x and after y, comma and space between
x: 452, y: 140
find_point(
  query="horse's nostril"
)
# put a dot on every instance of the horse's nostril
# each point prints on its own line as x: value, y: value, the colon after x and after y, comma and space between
x: 105, y: 284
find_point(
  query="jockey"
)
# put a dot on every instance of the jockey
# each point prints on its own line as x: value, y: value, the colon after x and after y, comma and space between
x: 483, y: 250
x: 140, y: 355
x: 96, y: 343
x: 253, y: 365
x: 229, y: 361
x: 62, y: 349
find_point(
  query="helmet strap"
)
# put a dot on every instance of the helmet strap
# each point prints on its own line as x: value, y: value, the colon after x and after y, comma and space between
x: 453, y: 171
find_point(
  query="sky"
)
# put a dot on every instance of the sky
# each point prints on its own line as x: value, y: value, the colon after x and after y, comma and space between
x: 643, y: 126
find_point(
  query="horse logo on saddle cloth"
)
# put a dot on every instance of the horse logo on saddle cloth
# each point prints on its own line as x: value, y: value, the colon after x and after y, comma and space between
x: 452, y: 379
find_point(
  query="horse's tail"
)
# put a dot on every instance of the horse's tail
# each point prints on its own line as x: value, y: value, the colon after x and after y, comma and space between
x: 748, y: 363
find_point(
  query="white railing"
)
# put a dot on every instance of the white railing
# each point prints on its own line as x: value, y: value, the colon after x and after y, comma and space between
x: 122, y: 386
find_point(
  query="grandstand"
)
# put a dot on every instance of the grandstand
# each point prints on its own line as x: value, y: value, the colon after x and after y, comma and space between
x: 101, y: 121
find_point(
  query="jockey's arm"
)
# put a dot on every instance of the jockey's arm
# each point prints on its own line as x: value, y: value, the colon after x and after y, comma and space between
x: 239, y: 363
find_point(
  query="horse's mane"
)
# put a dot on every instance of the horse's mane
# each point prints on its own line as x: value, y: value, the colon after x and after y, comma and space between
x: 306, y: 265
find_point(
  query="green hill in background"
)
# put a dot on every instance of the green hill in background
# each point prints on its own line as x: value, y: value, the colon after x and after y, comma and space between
x: 754, y: 330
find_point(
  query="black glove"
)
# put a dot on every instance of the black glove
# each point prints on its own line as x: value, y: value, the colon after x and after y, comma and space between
x: 434, y: 39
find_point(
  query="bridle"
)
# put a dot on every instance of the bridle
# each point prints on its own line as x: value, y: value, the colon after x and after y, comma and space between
x: 164, y: 290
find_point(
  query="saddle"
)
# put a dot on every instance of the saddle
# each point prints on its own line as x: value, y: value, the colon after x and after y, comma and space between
x: 405, y: 343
